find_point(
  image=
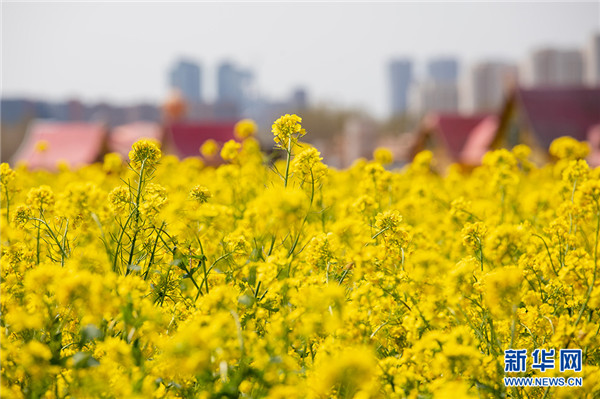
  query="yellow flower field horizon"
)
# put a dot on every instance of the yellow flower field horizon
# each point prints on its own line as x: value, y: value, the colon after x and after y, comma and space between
x: 159, y: 277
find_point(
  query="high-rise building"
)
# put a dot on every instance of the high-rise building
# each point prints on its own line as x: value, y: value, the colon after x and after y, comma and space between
x: 233, y: 91
x: 186, y: 77
x: 431, y: 96
x: 592, y: 60
x: 299, y: 98
x: 400, y: 73
x: 554, y: 67
x: 438, y: 92
x: 228, y: 87
x: 443, y: 70
x: 487, y: 85
x: 232, y: 83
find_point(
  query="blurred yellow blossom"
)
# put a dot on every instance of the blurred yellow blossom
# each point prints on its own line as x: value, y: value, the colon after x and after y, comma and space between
x: 230, y: 150
x: 245, y: 128
x: 383, y: 155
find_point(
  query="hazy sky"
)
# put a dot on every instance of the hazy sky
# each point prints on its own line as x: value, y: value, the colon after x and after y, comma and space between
x: 121, y: 52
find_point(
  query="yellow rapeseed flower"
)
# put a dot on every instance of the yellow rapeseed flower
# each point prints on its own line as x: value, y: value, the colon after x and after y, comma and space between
x: 245, y: 128
x: 307, y: 165
x: 230, y: 150
x: 22, y: 215
x: 568, y: 148
x: 287, y: 130
x: 7, y: 175
x: 209, y: 148
x: 41, y: 197
x: 145, y: 152
x: 383, y: 155
x: 112, y: 162
x: 200, y: 194
x: 119, y: 199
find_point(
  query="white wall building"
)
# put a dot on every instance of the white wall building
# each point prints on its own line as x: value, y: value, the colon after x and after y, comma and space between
x: 486, y: 85
x: 554, y: 67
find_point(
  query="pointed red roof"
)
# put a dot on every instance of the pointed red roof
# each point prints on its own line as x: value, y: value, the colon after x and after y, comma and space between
x: 454, y: 129
x: 555, y: 112
x: 479, y: 141
x: 187, y: 137
x: 122, y: 137
x: 47, y: 143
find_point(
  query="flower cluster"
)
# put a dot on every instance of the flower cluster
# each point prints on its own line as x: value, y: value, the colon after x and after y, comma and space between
x: 383, y: 155
x: 308, y: 167
x: 200, y: 194
x: 287, y: 130
x: 569, y: 148
x: 245, y: 128
x: 144, y: 152
x: 230, y: 150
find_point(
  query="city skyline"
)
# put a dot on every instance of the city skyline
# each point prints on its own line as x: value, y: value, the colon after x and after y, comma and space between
x: 336, y: 63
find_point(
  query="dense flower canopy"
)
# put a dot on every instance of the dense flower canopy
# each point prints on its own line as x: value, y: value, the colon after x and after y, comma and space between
x: 184, y: 280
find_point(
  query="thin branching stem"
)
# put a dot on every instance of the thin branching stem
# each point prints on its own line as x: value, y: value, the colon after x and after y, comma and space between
x: 287, y: 162
x: 136, y: 211
x: 591, y: 286
x: 41, y: 221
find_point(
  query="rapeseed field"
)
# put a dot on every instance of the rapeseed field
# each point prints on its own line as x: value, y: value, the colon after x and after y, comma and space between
x: 154, y: 277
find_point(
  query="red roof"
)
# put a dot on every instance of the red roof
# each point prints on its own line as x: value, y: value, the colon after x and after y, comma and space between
x: 454, y: 129
x: 479, y: 141
x: 593, y: 138
x: 189, y: 136
x: 122, y: 137
x: 556, y: 112
x: 47, y: 143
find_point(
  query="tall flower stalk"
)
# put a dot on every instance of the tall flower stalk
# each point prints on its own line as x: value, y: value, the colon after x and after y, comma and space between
x: 144, y: 156
x: 287, y: 130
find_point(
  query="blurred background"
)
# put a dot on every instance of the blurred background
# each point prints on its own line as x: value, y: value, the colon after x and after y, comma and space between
x: 456, y: 78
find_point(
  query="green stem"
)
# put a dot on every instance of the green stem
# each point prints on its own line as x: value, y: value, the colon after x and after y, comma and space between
x: 137, y: 216
x: 207, y: 271
x: 62, y: 250
x: 7, y: 205
x: 287, y: 164
x: 130, y: 259
x: 571, y: 214
x: 205, y: 275
x: 102, y: 235
x: 203, y: 262
x: 64, y: 242
x: 591, y: 286
x: 190, y: 275
x: 154, y: 250
x: 344, y: 276
x: 37, y: 246
x: 164, y: 293
x: 120, y: 241
x: 548, y: 252
x: 480, y: 253
x: 312, y: 197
